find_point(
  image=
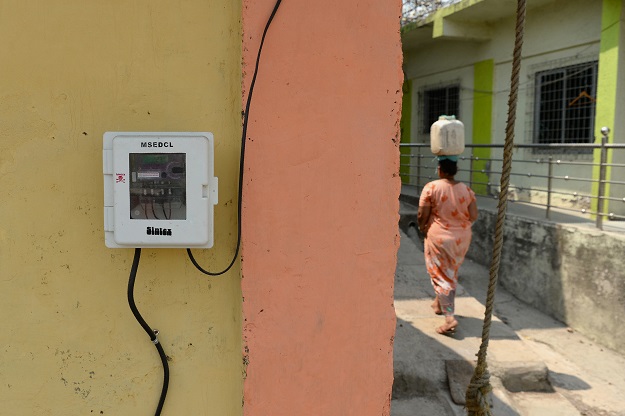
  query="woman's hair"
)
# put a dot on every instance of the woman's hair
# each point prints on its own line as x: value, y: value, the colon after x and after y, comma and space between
x: 448, y: 167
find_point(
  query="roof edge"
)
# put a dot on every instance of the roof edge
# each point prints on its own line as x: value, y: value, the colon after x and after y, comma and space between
x: 437, y: 17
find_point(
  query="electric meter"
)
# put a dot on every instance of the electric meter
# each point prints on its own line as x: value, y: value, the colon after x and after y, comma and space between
x: 159, y: 189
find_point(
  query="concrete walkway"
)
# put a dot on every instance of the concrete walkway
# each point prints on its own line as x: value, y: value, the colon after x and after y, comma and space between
x: 537, y: 365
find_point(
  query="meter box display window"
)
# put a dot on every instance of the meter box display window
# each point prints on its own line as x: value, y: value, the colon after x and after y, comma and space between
x: 159, y: 189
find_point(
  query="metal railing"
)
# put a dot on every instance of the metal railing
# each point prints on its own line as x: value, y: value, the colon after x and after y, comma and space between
x: 590, y: 184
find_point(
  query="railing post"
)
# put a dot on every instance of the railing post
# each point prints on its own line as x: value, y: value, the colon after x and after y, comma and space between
x: 471, y: 171
x: 602, y: 174
x: 419, y: 171
x: 549, y: 176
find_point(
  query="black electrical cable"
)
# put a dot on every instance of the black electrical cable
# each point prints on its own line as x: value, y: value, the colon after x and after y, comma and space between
x: 152, y: 333
x: 242, y: 157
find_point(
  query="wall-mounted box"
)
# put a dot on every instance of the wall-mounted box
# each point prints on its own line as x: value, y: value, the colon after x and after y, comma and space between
x: 159, y: 189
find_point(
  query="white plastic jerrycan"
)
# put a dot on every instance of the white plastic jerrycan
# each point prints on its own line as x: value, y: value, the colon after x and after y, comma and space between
x: 447, y: 136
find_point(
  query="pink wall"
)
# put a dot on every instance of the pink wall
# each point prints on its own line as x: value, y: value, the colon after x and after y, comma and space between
x: 321, y: 207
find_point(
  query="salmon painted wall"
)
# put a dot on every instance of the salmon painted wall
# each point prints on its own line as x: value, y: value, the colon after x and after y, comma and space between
x: 321, y: 207
x: 69, y: 71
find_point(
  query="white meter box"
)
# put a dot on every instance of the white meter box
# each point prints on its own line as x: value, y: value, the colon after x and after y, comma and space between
x: 159, y: 189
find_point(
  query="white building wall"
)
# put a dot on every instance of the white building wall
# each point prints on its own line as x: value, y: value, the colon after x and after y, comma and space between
x: 552, y: 39
x: 439, y: 67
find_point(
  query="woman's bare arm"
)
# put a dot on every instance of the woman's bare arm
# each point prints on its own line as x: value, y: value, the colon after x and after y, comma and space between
x: 473, y: 212
x: 423, y: 217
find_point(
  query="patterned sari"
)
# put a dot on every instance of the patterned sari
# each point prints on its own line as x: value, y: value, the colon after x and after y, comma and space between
x: 448, y: 237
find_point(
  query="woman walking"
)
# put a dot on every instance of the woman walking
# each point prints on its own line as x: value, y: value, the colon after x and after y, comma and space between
x: 447, y: 208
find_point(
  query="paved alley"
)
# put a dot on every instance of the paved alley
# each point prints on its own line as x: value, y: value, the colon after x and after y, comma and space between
x: 538, y: 366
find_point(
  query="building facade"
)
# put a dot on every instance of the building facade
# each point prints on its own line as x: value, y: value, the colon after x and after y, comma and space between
x: 459, y: 62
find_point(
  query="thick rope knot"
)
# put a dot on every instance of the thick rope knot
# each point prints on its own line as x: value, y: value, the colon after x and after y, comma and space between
x: 477, y: 394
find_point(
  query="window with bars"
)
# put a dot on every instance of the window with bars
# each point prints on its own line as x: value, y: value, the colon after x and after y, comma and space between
x: 565, y: 104
x: 438, y: 102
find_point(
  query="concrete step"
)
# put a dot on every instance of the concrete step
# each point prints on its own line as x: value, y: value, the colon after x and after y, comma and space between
x: 531, y: 403
x: 503, y: 403
x: 431, y: 405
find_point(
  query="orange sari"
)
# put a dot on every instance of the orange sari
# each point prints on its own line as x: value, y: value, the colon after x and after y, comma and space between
x: 448, y: 236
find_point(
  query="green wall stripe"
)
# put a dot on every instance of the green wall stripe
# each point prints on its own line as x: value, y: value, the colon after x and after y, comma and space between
x: 483, y: 79
x: 607, y: 84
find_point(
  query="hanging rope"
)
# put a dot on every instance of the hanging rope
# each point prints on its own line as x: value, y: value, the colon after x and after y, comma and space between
x: 479, y: 387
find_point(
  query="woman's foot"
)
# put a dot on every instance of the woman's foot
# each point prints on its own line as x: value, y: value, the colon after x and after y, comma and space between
x: 449, y: 327
x: 436, y: 306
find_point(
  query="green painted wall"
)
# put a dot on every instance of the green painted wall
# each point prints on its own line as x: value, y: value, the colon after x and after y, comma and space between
x: 611, y: 25
x: 405, y: 125
x: 483, y: 78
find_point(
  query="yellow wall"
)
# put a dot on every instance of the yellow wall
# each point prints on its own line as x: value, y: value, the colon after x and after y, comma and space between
x: 69, y: 71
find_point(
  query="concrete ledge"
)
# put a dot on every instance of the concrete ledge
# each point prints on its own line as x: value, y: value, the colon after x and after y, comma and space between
x: 570, y: 271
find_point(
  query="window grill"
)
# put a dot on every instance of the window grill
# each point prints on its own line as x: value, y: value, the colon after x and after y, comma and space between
x: 565, y: 104
x: 438, y: 102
